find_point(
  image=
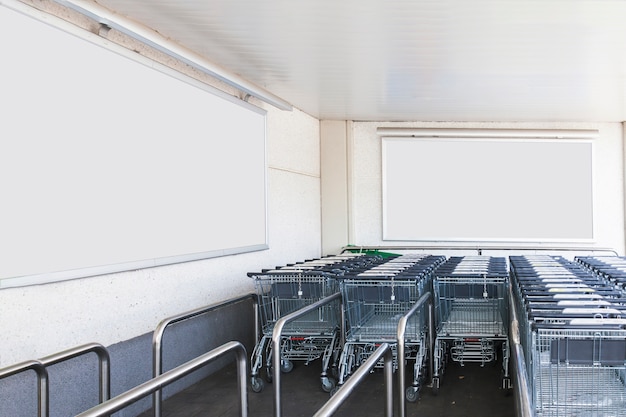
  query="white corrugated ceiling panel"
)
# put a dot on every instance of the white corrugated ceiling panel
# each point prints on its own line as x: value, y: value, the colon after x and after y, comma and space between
x: 448, y: 60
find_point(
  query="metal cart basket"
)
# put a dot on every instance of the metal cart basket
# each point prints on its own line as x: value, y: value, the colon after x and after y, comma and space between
x: 573, y: 337
x: 374, y: 302
x: 316, y: 335
x: 471, y: 313
x: 579, y: 368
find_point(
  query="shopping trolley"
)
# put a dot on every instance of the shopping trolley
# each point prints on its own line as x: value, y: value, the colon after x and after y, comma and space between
x: 374, y: 302
x: 316, y: 335
x: 580, y: 368
x: 471, y: 313
x: 573, y: 338
x: 610, y: 268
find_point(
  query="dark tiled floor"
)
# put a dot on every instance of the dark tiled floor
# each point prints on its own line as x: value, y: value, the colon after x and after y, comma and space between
x: 470, y: 390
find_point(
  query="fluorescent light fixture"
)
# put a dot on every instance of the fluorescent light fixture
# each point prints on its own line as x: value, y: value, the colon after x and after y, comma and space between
x: 149, y: 37
x: 488, y: 133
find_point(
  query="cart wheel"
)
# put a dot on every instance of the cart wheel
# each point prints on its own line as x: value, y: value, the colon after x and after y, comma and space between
x: 412, y: 394
x: 327, y: 384
x: 435, y: 386
x: 286, y: 366
x: 269, y: 376
x: 507, y: 386
x: 257, y: 384
x: 334, y: 391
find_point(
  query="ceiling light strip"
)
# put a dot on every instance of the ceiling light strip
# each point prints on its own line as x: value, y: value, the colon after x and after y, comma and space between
x: 488, y: 133
x: 149, y: 37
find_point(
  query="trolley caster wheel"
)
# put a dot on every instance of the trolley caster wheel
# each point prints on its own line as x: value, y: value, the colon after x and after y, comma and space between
x: 328, y: 384
x: 257, y: 384
x: 269, y: 376
x: 507, y: 386
x: 334, y: 390
x: 435, y: 387
x: 412, y: 394
x: 286, y: 366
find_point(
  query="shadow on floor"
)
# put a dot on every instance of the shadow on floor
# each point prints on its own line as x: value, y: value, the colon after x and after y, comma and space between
x: 465, y: 391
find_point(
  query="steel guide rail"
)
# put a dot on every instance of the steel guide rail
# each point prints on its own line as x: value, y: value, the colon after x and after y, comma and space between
x: 418, y: 308
x: 276, y: 343
x: 40, y: 367
x: 383, y: 351
x: 521, y: 383
x: 43, y: 404
x: 104, y: 364
x: 157, y: 338
x: 143, y: 390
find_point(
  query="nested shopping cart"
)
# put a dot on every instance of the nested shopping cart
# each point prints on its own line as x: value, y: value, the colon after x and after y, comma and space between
x: 374, y: 302
x: 610, y: 268
x: 316, y: 335
x: 579, y: 368
x: 471, y: 313
x: 573, y: 337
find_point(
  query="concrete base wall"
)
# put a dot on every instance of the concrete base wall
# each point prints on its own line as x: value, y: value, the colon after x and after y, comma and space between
x: 74, y: 384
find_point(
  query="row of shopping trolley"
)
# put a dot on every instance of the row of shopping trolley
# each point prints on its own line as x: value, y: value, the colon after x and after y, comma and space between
x: 611, y: 268
x: 471, y: 310
x: 572, y: 334
x: 286, y: 289
x: 374, y: 302
x: 469, y: 295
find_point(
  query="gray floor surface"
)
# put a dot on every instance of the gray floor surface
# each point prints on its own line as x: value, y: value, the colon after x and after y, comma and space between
x: 469, y: 390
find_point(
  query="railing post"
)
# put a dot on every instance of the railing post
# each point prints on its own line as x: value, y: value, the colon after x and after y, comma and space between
x: 431, y: 341
x: 401, y: 363
x: 401, y: 330
x: 157, y: 339
x: 388, y: 382
x: 523, y: 403
x: 149, y: 387
x: 103, y: 364
x: 257, y: 319
x: 43, y: 406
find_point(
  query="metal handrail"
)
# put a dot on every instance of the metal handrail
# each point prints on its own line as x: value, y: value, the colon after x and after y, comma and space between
x: 523, y: 404
x: 276, y: 336
x: 103, y: 359
x: 400, y: 349
x: 346, y: 389
x: 431, y: 342
x: 157, y: 338
x: 480, y: 248
x: 147, y: 388
x: 43, y: 406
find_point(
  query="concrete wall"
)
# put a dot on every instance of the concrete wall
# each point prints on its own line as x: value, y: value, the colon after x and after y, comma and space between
x: 363, y: 221
x: 122, y: 310
x: 40, y: 320
x: 74, y: 383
